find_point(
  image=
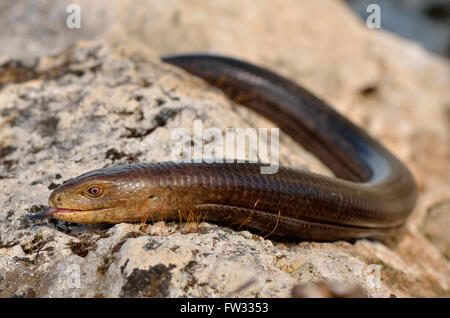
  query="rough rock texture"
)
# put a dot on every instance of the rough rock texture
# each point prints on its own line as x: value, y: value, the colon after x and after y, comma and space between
x: 112, y: 101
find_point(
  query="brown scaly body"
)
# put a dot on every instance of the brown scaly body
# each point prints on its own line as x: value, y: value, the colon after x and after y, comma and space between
x: 372, y: 195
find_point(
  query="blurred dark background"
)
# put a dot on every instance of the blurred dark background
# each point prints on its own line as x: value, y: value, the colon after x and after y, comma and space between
x: 424, y: 21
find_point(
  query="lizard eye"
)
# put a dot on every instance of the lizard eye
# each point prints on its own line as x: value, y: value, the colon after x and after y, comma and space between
x: 94, y: 191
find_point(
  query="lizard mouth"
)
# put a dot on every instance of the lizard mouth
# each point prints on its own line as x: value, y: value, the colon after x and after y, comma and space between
x: 102, y: 215
x: 49, y: 212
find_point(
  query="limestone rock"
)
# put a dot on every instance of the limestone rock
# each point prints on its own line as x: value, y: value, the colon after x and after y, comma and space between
x: 111, y: 101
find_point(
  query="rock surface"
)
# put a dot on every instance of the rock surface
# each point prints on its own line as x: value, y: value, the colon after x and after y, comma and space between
x: 112, y: 101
